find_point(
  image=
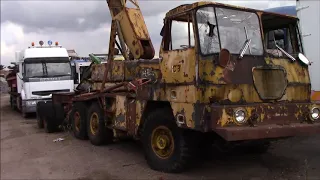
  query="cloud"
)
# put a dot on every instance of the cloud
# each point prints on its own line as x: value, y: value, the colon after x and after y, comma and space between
x: 56, y: 15
x: 81, y: 25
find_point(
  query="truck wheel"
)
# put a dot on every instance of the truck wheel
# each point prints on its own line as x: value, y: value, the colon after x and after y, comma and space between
x: 48, y: 117
x: 39, y: 115
x: 12, y: 104
x: 78, y: 118
x: 167, y: 148
x: 98, y: 133
x: 58, y: 115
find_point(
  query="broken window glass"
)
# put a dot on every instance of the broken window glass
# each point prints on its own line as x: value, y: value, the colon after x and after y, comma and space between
x: 208, y: 32
x: 235, y: 27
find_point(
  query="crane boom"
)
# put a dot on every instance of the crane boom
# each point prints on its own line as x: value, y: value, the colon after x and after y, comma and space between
x: 131, y: 29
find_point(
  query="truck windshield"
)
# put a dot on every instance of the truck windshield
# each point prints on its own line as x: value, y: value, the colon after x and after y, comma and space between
x: 43, y: 68
x: 230, y: 28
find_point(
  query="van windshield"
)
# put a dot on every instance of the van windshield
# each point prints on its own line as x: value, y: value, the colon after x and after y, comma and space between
x: 39, y: 67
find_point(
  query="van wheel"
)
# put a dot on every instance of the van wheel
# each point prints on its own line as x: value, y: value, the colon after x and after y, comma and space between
x: 98, y: 133
x: 167, y: 148
x: 78, y: 120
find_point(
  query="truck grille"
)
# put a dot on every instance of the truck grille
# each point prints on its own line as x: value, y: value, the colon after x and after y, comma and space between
x: 46, y: 93
x: 270, y: 82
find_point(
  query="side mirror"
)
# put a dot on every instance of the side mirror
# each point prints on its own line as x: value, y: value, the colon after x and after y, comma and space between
x: 224, y: 57
x: 304, y: 59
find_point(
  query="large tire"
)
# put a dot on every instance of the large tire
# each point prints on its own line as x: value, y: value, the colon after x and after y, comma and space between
x: 12, y: 103
x: 183, y: 146
x: 59, y: 115
x: 48, y: 117
x: 98, y: 133
x: 39, y: 115
x: 78, y: 117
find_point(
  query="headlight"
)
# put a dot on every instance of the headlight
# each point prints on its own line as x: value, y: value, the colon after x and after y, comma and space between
x: 240, y: 116
x: 31, y: 103
x: 315, y: 113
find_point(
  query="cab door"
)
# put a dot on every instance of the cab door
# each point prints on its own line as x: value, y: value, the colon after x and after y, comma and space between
x: 179, y: 59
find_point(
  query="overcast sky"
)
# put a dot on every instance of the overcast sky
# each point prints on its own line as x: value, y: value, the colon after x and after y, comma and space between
x: 81, y: 25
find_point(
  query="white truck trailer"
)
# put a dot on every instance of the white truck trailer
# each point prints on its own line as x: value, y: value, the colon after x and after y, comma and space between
x: 309, y: 16
x: 40, y: 71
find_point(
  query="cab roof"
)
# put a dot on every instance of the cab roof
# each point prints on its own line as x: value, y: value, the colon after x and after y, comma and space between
x: 180, y: 10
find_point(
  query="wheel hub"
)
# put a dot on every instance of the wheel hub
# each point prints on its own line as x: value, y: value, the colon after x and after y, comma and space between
x: 94, y: 123
x: 77, y: 120
x: 162, y: 142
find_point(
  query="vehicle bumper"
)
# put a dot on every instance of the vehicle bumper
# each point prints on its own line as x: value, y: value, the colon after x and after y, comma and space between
x: 264, y: 121
x: 267, y: 131
x: 30, y: 106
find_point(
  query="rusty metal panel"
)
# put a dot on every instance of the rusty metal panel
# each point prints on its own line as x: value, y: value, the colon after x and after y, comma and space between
x: 179, y: 66
x: 134, y: 69
x: 182, y: 94
x: 267, y: 131
x: 315, y: 96
x: 98, y: 71
x: 120, y: 116
x: 297, y: 92
x: 295, y: 72
x: 139, y: 27
x: 208, y: 72
x: 270, y: 83
x: 187, y: 111
x: 131, y: 116
x: 117, y: 71
x: 131, y: 39
x: 263, y: 113
x: 140, y: 106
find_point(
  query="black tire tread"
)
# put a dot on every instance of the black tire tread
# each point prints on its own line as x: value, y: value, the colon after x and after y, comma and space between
x: 104, y: 136
x: 48, y: 117
x: 82, y: 108
x: 39, y: 115
x: 186, y: 144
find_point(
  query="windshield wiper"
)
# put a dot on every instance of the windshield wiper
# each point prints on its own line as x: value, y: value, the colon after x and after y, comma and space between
x: 284, y: 52
x: 245, y: 45
x: 244, y: 48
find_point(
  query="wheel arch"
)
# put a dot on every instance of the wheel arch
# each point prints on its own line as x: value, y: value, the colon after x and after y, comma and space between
x: 148, y: 108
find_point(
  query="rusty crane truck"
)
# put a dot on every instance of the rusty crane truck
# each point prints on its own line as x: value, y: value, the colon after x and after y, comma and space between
x: 223, y: 74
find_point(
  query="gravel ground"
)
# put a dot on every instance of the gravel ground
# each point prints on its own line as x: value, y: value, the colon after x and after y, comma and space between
x: 29, y: 153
